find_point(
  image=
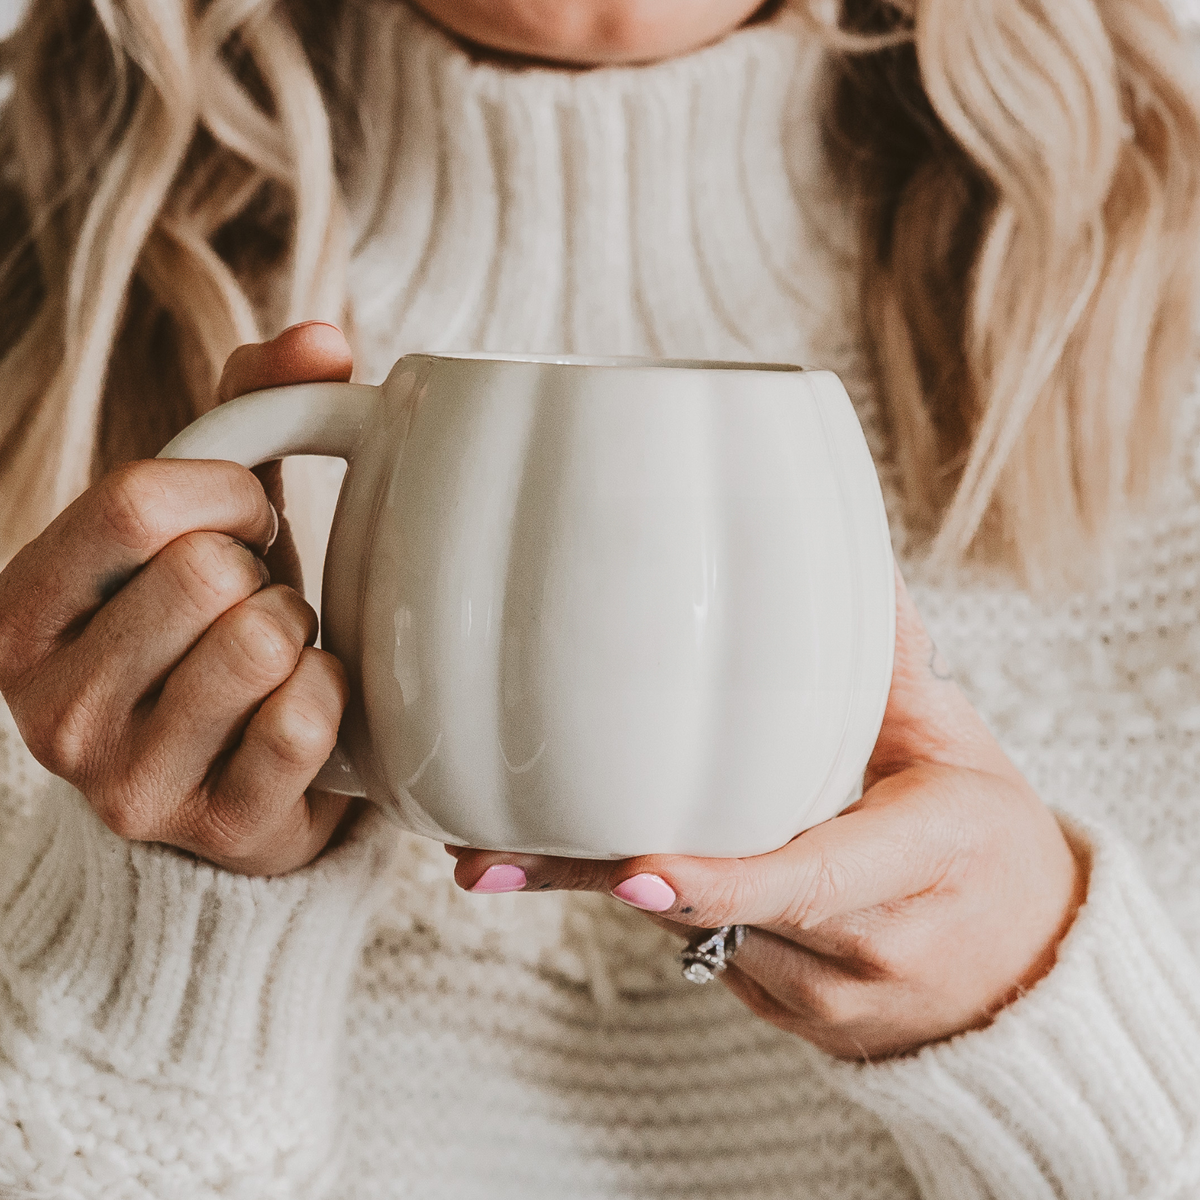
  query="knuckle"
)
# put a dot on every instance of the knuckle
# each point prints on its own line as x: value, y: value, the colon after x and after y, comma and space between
x: 70, y: 715
x: 70, y: 739
x: 819, y: 892
x: 300, y: 735
x: 131, y: 502
x: 60, y: 738
x: 226, y: 831
x: 264, y: 645
x: 726, y: 899
x: 292, y: 607
x: 127, y: 820
x: 213, y: 571
x: 44, y: 738
x: 332, y: 674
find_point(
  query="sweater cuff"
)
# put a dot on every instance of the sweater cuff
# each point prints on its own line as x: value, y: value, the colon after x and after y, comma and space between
x: 1087, y: 1086
x: 166, y: 968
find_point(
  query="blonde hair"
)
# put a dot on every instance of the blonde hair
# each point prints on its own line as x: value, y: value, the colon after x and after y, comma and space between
x: 1029, y: 183
x: 1027, y: 172
x: 170, y: 174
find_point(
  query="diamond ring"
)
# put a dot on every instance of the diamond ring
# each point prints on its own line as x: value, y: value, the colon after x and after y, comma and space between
x: 707, y: 954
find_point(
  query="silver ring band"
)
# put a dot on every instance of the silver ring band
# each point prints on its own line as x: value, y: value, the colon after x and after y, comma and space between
x: 708, y: 953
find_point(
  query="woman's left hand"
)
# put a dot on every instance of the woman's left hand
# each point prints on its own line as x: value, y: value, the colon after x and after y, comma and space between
x: 917, y: 914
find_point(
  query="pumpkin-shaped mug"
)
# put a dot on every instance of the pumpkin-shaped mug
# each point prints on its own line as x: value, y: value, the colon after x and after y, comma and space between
x: 594, y: 607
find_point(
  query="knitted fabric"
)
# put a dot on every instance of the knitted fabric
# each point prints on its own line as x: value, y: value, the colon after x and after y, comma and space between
x: 363, y: 1028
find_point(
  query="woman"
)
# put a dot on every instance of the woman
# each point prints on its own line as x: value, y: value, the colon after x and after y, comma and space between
x: 964, y: 993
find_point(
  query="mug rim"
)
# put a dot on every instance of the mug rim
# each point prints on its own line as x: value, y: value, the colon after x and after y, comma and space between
x: 613, y: 360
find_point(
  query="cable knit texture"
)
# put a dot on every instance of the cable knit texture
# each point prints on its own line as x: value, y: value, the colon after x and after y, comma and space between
x: 365, y: 1029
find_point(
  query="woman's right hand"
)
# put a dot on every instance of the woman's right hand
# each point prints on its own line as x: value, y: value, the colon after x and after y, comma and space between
x: 148, y: 659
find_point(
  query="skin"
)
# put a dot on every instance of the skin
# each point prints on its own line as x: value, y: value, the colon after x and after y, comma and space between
x: 149, y: 660
x: 589, y: 32
x: 917, y: 914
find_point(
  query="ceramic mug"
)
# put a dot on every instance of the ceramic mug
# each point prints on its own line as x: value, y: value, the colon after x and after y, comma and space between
x: 594, y: 607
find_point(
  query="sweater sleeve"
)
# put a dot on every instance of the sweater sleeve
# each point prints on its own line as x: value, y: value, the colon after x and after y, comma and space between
x: 167, y: 1026
x: 1085, y: 1088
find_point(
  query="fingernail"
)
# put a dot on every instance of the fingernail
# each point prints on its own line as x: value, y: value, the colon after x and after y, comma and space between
x: 646, y: 891
x: 503, y: 877
x: 274, y: 525
x: 305, y: 325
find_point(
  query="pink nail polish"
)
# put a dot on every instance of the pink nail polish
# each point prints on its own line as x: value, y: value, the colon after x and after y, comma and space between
x: 646, y: 891
x: 503, y: 877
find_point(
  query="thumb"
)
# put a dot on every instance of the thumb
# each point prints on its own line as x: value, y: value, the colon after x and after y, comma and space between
x: 311, y: 352
x: 928, y: 719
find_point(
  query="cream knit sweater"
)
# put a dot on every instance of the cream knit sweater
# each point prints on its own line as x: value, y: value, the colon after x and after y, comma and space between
x: 362, y: 1028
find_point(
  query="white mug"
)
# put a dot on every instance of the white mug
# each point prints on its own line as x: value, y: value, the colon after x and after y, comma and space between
x: 594, y: 607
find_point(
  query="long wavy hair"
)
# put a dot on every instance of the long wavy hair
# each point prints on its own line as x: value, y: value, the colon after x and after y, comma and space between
x: 1027, y: 175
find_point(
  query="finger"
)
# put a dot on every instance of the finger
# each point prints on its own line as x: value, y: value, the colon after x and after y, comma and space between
x: 811, y: 987
x: 256, y: 818
x: 808, y: 998
x: 869, y: 856
x: 927, y: 718
x: 208, y: 700
x: 92, y: 549
x: 283, y: 558
x: 804, y: 991
x: 501, y: 871
x: 128, y: 648
x: 152, y: 623
x: 312, y: 352
x: 897, y: 844
x: 907, y: 838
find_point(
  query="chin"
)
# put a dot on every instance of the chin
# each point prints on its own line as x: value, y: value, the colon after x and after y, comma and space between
x: 585, y: 33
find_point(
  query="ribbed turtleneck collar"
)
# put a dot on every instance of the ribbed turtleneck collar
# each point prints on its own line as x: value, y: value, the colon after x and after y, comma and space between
x: 648, y: 210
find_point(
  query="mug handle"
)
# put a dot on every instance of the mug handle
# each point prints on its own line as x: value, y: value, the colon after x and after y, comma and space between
x: 301, y: 418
